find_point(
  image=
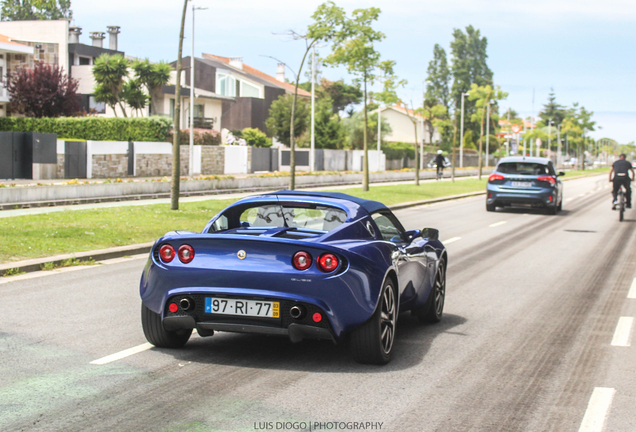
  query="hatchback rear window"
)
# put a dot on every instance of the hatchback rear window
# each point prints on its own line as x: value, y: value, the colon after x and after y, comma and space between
x: 526, y: 168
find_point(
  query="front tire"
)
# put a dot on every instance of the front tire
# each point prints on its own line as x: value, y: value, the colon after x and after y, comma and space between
x: 372, y: 343
x: 433, y: 309
x: 157, y: 335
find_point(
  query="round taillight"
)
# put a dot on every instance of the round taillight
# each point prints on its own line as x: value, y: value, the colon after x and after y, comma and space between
x: 186, y: 253
x: 172, y: 307
x: 166, y: 253
x: 317, y: 317
x: 301, y: 260
x: 328, y: 262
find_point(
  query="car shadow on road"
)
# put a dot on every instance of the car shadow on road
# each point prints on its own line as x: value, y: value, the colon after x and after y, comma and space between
x: 528, y: 210
x: 412, y: 343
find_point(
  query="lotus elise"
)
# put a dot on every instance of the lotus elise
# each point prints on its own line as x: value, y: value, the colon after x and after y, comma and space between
x: 306, y: 265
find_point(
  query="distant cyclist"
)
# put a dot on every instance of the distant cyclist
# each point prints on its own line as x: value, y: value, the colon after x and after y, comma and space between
x: 439, y: 161
x: 621, y: 169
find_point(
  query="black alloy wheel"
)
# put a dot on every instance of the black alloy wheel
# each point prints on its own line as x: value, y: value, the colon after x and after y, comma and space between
x: 434, y: 308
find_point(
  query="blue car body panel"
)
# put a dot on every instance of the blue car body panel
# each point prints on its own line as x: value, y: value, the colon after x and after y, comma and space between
x: 347, y: 296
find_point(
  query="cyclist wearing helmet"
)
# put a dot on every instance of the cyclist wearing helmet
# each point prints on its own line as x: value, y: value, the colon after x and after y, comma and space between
x: 621, y: 169
x: 439, y: 161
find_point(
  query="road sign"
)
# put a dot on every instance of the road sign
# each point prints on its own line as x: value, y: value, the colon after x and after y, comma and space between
x: 516, y: 128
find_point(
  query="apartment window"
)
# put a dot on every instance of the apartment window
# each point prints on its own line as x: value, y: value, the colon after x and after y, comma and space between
x: 98, y: 107
x: 172, y: 108
x: 226, y: 85
x: 249, y: 90
x: 84, y: 61
x: 199, y: 111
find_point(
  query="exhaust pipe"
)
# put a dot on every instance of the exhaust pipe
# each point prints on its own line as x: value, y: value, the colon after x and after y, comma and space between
x: 297, y: 312
x: 186, y: 304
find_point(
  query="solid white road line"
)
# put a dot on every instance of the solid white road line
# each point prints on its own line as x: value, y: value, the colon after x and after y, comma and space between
x: 451, y: 240
x: 122, y: 354
x: 597, y: 409
x: 497, y: 224
x: 622, y: 332
x: 632, y: 291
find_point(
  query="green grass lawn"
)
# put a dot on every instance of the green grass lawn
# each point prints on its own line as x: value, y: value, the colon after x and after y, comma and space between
x: 587, y: 172
x: 25, y: 237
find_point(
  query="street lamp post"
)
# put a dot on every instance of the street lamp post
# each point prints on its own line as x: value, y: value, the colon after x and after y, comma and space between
x: 487, y: 134
x: 549, y: 136
x: 312, y: 153
x: 379, y: 133
x: 461, y: 139
x: 192, y: 67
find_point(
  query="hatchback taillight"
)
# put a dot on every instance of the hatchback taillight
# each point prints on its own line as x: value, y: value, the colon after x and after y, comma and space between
x: 328, y: 262
x: 495, y: 177
x: 166, y: 253
x: 186, y: 253
x: 301, y: 260
x: 547, y: 179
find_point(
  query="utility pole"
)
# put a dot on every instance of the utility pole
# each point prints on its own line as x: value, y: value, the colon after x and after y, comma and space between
x: 192, y: 97
x: 487, y: 134
x: 379, y: 133
x: 549, y: 135
x: 461, y: 136
x: 312, y: 152
x: 176, y: 147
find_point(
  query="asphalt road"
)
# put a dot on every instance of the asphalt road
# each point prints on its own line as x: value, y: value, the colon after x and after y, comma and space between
x: 536, y: 337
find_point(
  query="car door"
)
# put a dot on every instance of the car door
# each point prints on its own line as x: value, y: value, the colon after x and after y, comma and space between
x: 408, y: 256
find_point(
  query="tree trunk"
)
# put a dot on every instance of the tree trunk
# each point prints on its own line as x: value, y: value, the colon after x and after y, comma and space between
x: 123, y: 110
x: 176, y: 147
x: 453, y: 158
x: 292, y: 142
x: 365, y: 161
x: 417, y: 152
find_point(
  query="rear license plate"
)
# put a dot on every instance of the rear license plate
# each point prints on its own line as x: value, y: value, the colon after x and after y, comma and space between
x: 522, y: 184
x: 255, y: 308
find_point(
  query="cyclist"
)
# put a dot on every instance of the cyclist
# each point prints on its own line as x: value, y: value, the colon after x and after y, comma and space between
x: 439, y: 161
x: 621, y: 169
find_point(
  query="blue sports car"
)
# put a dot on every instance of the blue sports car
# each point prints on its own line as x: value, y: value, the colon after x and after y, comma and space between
x: 299, y: 264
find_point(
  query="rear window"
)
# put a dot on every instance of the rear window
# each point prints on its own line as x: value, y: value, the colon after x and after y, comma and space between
x: 527, y: 168
x: 277, y: 216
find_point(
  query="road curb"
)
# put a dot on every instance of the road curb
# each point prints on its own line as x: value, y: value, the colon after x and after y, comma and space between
x: 37, y: 264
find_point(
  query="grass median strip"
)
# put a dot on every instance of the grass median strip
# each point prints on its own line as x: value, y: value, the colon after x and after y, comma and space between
x: 41, y: 235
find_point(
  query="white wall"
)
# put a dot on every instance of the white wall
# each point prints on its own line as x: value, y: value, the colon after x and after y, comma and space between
x: 358, y: 158
x: 235, y: 160
x: 84, y: 74
x: 40, y: 31
x: 401, y: 126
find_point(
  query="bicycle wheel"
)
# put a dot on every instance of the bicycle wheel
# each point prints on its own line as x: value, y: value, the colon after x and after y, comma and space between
x: 621, y: 204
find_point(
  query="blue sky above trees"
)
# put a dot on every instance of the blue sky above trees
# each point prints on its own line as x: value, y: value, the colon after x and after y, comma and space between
x: 584, y: 49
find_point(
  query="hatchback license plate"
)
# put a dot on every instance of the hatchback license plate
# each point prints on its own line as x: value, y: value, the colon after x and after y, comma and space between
x: 522, y: 184
x: 241, y: 307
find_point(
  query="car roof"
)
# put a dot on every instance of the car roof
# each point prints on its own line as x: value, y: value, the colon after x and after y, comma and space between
x: 368, y: 205
x: 530, y: 159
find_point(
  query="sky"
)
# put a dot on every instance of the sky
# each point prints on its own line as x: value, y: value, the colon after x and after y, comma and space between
x: 583, y: 49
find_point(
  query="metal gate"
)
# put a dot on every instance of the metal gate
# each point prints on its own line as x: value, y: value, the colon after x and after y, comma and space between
x: 15, y: 156
x: 264, y: 159
x: 75, y: 159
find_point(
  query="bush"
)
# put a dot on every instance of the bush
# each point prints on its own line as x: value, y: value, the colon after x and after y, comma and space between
x: 93, y: 128
x: 398, y: 150
x: 201, y: 137
x: 255, y: 138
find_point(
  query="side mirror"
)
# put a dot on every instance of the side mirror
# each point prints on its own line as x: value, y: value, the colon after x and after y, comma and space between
x: 561, y: 173
x: 431, y: 234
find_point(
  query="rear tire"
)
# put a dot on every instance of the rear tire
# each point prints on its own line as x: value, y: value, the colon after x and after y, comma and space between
x: 490, y: 207
x: 433, y: 309
x: 372, y: 342
x: 155, y: 333
x: 560, y: 206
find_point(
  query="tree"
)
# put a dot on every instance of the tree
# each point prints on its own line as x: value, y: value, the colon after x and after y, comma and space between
x: 109, y: 72
x: 152, y: 76
x: 280, y: 115
x: 552, y: 110
x: 22, y: 10
x: 483, y: 96
x: 468, y: 67
x: 341, y: 94
x: 436, y: 118
x: 329, y: 131
x: 44, y: 91
x: 354, y: 129
x: 438, y: 79
x: 328, y: 18
x: 132, y: 92
x: 354, y: 47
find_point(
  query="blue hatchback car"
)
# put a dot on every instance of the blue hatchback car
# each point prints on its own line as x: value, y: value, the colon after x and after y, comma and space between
x: 529, y: 181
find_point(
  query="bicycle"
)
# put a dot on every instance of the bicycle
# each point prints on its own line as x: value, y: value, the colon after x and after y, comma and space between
x: 440, y: 173
x: 621, y: 203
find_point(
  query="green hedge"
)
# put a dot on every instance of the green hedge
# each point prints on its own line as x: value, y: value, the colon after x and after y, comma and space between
x: 397, y: 150
x: 93, y: 128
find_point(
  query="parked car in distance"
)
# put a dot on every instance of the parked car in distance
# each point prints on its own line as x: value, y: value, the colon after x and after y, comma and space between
x: 432, y: 163
x: 526, y: 181
x: 306, y: 265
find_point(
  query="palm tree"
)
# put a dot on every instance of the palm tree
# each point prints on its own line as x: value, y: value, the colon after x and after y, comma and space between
x: 110, y: 72
x: 152, y: 76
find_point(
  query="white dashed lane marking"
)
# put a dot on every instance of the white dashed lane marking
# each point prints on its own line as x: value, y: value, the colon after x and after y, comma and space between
x: 122, y: 354
x: 451, y: 240
x: 632, y: 291
x: 622, y: 332
x: 497, y: 224
x: 597, y: 409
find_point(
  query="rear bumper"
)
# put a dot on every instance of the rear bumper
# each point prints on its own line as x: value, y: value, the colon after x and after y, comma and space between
x: 295, y: 332
x: 546, y: 197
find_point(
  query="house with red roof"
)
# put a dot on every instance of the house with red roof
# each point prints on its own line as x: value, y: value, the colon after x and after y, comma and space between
x: 400, y: 118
